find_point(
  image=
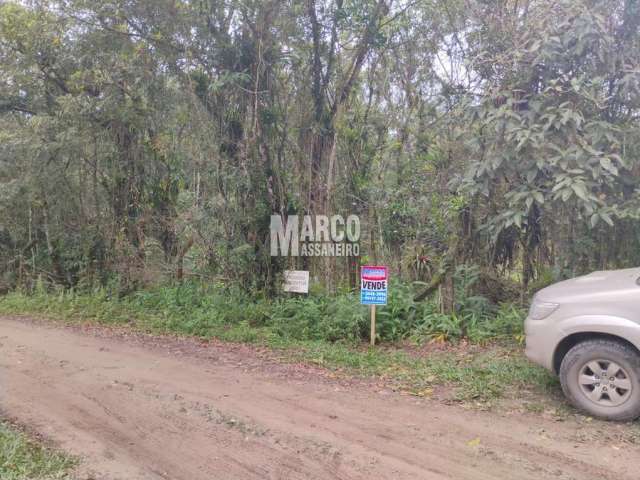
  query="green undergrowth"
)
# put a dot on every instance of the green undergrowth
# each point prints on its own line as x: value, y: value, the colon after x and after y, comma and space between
x: 214, y: 310
x: 21, y: 458
x: 329, y: 331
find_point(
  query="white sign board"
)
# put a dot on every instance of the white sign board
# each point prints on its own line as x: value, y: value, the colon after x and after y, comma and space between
x: 296, y: 281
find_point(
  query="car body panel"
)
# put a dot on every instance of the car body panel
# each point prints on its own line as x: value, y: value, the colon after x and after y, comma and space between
x: 604, y: 302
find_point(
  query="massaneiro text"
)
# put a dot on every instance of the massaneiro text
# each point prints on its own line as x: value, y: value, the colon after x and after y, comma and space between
x: 315, y: 236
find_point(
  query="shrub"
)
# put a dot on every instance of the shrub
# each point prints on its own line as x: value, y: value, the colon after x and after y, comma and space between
x: 209, y: 310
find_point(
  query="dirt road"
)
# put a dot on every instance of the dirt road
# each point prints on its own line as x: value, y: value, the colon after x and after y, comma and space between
x: 143, y: 408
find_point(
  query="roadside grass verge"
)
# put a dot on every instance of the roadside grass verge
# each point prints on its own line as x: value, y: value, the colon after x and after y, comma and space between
x: 482, y: 375
x: 24, y: 459
x: 317, y: 331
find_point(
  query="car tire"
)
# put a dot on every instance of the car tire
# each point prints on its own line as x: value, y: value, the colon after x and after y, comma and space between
x: 602, y: 378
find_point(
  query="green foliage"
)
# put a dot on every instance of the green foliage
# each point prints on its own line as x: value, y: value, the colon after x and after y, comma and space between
x: 399, y: 316
x: 22, y: 458
x: 467, y: 302
x: 217, y: 311
x: 338, y: 319
x: 553, y: 135
x: 151, y: 142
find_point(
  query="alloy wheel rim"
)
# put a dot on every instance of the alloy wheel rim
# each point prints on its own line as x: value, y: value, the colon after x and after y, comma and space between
x: 605, y: 383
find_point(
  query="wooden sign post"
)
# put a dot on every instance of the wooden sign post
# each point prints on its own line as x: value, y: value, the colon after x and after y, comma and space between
x: 373, y: 325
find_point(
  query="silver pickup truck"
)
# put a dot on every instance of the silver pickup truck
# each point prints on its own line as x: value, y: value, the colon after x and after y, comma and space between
x: 587, y: 331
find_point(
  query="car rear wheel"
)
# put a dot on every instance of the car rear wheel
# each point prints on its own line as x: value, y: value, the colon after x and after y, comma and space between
x: 602, y: 377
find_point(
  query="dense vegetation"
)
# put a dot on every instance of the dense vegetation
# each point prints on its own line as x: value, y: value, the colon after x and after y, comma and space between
x: 217, y: 311
x: 488, y: 147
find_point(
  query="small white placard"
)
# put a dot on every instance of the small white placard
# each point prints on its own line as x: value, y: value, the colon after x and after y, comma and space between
x: 296, y: 281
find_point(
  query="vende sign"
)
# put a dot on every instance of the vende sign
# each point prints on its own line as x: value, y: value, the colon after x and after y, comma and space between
x: 373, y: 285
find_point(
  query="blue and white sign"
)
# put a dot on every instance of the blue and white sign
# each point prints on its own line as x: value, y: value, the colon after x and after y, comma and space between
x: 373, y: 285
